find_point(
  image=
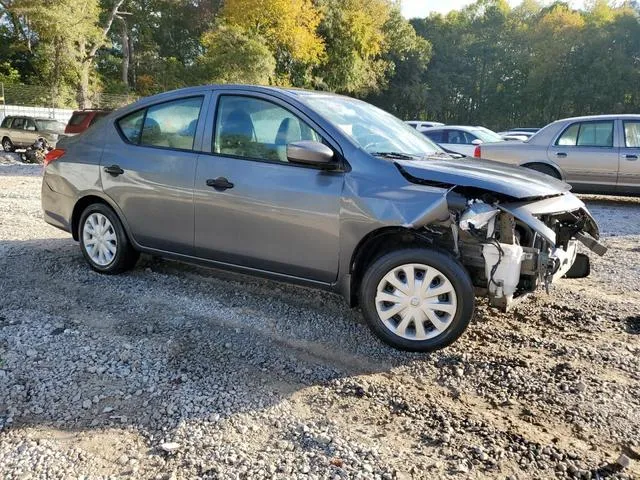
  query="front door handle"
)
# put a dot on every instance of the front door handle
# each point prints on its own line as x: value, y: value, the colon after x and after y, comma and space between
x: 114, y: 170
x: 631, y: 157
x: 561, y: 154
x: 219, y: 183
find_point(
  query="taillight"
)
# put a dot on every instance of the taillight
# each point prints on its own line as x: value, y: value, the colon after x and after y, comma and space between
x: 477, y: 153
x: 53, y: 155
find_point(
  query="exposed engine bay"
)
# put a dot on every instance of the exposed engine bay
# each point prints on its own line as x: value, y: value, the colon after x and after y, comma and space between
x: 512, y: 248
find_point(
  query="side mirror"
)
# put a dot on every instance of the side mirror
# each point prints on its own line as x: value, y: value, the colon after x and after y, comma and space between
x: 307, y: 152
x: 477, y: 141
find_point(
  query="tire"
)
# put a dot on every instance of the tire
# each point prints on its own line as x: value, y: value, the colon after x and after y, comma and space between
x: 7, y: 145
x: 546, y: 169
x: 447, y: 276
x: 103, y: 241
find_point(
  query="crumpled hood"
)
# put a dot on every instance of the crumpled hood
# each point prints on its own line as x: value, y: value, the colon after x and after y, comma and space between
x: 517, y: 182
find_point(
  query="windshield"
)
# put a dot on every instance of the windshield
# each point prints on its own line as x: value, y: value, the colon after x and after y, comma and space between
x: 52, y: 125
x: 373, y: 129
x: 487, y: 135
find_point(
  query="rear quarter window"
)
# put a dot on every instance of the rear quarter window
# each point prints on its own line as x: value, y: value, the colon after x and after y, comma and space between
x: 131, y: 126
x: 6, y: 123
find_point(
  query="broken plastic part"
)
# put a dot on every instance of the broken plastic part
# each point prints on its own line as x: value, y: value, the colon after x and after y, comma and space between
x: 477, y: 216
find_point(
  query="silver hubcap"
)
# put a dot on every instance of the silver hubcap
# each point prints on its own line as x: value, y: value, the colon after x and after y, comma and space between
x: 416, y: 302
x: 100, y: 239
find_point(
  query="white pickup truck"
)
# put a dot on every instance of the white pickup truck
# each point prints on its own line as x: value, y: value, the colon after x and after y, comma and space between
x: 21, y: 132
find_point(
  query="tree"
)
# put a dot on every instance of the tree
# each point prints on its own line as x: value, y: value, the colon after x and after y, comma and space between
x: 405, y: 92
x: 233, y: 56
x: 355, y: 41
x: 287, y: 26
x: 68, y: 37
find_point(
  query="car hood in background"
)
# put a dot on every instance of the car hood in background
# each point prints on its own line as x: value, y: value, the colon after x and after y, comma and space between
x: 517, y: 182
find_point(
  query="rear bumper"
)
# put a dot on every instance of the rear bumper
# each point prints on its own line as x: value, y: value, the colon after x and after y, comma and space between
x: 57, y: 208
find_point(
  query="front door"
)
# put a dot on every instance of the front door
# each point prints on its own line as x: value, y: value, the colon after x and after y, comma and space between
x: 149, y: 172
x: 255, y: 209
x: 629, y: 174
x: 588, y: 155
x: 17, y: 132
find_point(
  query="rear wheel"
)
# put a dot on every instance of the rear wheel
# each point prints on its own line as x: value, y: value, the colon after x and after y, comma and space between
x: 7, y: 144
x: 417, y: 299
x: 104, y: 242
x: 546, y: 169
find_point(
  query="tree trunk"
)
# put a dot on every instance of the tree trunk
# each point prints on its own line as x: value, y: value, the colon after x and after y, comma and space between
x: 126, y: 54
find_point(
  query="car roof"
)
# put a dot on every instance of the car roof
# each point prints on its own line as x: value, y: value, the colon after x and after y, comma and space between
x: 601, y: 117
x: 291, y: 92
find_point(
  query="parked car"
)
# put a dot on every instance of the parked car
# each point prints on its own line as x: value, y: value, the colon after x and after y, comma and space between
x: 22, y: 132
x: 461, y: 139
x: 421, y: 125
x: 317, y: 189
x: 595, y: 154
x: 83, y: 119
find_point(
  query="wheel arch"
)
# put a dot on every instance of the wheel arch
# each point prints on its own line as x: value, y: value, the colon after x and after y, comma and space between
x: 550, y: 165
x: 91, y: 198
x: 377, y: 243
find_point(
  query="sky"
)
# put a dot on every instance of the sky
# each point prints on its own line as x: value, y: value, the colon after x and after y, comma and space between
x: 422, y: 8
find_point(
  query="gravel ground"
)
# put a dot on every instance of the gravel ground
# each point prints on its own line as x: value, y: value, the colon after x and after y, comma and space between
x: 173, y: 371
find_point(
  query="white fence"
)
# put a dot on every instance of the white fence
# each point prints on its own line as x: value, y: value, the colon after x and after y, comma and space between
x: 61, y: 114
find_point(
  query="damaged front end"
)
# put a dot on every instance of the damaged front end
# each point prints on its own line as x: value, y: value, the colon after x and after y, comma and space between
x: 510, y: 241
x: 512, y: 248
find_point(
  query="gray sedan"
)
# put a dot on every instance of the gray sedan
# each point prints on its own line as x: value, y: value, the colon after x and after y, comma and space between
x: 596, y: 154
x: 321, y: 190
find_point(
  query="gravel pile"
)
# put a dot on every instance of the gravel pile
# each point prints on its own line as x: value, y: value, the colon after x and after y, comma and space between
x: 173, y: 371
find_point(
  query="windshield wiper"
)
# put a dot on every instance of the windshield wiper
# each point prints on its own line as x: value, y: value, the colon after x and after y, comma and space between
x: 398, y: 155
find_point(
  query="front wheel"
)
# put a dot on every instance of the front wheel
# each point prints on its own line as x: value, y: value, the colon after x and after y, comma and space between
x: 7, y: 145
x: 104, y: 242
x: 417, y: 299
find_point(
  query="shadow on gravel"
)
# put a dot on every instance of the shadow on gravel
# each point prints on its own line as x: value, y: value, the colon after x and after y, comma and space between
x: 163, y: 344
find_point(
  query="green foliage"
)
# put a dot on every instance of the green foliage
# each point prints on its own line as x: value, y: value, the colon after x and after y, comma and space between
x: 233, y: 56
x: 355, y: 41
x: 8, y: 74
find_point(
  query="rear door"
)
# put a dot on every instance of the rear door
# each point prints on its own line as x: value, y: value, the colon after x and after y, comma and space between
x: 629, y: 173
x: 30, y: 131
x: 587, y: 152
x: 149, y: 172
x: 273, y: 215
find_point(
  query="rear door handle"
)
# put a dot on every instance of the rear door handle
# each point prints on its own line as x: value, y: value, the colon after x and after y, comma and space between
x: 219, y: 183
x: 114, y: 170
x: 631, y: 157
x: 561, y: 154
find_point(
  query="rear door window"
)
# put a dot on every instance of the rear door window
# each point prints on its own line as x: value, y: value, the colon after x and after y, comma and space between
x: 588, y: 134
x: 30, y: 125
x: 172, y: 124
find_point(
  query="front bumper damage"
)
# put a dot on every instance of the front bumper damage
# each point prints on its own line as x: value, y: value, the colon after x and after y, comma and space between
x: 513, y: 248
